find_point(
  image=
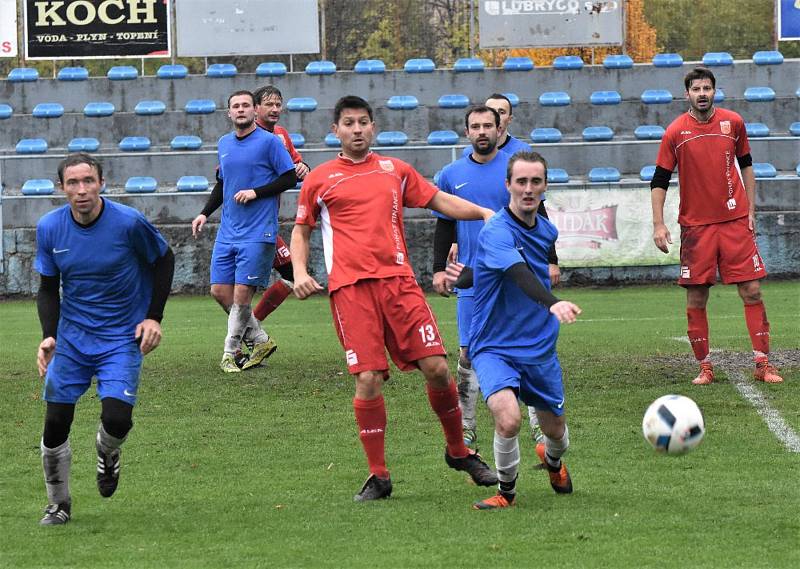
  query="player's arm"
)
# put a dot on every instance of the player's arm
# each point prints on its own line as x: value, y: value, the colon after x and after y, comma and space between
x: 285, y: 181
x: 443, y: 238
x: 552, y: 257
x: 48, y: 305
x: 458, y: 208
x: 749, y: 180
x: 658, y: 196
x: 212, y: 204
x: 304, y: 284
x: 148, y: 331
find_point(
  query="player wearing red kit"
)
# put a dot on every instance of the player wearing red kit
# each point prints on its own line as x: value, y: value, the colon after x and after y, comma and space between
x: 716, y: 215
x: 375, y: 300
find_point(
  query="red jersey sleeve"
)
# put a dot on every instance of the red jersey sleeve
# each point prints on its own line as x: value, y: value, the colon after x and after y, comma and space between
x: 307, y: 204
x: 418, y: 192
x: 742, y: 143
x: 287, y: 142
x: 667, y: 158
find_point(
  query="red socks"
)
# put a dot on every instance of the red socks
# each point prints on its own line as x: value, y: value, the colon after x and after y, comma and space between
x: 444, y: 403
x: 755, y: 315
x: 271, y: 299
x: 698, y: 332
x: 371, y: 419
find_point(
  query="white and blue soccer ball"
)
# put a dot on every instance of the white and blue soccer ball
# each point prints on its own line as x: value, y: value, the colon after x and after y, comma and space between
x: 673, y: 424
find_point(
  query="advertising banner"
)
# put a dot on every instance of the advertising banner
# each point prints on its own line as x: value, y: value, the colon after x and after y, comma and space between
x: 8, y: 28
x: 610, y: 228
x: 80, y: 29
x: 788, y: 20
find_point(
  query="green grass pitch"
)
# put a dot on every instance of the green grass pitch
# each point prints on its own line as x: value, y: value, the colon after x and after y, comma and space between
x: 259, y: 469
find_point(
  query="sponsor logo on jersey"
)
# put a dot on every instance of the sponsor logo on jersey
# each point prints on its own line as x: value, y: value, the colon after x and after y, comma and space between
x: 335, y: 175
x: 301, y: 211
x: 757, y: 263
x: 686, y: 132
x: 387, y: 165
x: 57, y: 251
x: 459, y: 186
x: 725, y: 127
x: 352, y: 358
x: 686, y: 273
x: 127, y: 393
x: 731, y: 203
x: 399, y: 258
x: 432, y: 344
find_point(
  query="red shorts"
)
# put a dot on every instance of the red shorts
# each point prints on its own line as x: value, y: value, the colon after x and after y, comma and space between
x: 729, y: 246
x: 375, y: 315
x: 282, y: 256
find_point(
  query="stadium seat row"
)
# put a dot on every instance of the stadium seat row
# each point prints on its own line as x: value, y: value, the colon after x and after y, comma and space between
x: 134, y: 185
x: 89, y: 144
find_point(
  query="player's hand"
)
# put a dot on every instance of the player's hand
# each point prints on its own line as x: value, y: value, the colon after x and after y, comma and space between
x: 751, y: 221
x: 305, y: 286
x: 661, y: 237
x: 440, y: 284
x: 555, y: 274
x: 47, y: 348
x: 301, y: 169
x: 197, y: 225
x: 452, y: 254
x: 452, y: 272
x: 244, y: 196
x: 565, y: 311
x: 148, y: 335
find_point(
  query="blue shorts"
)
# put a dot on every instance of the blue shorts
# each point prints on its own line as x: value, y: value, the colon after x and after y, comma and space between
x: 538, y: 385
x: 70, y: 373
x: 464, y: 308
x: 242, y: 263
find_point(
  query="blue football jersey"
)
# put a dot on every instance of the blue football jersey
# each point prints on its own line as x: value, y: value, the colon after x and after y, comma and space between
x: 106, y: 272
x: 505, y: 319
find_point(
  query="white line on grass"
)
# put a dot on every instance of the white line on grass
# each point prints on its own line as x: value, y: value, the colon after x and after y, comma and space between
x: 772, y: 418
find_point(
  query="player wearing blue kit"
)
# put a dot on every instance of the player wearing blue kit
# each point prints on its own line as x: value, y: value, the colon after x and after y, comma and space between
x: 115, y: 272
x: 505, y: 142
x: 255, y: 168
x: 513, y: 340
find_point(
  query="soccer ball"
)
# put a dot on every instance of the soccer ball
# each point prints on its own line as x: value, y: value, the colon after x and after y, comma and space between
x: 673, y: 424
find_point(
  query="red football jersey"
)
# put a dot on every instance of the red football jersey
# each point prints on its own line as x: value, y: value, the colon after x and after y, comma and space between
x: 360, y: 206
x: 283, y: 134
x: 711, y: 188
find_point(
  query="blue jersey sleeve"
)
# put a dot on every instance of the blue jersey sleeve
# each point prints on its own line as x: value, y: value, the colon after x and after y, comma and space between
x: 499, y: 248
x: 445, y: 184
x: 279, y: 157
x: 147, y: 241
x: 44, y: 263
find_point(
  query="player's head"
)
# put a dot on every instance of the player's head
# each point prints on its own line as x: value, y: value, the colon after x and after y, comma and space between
x: 700, y: 88
x: 353, y: 125
x: 81, y: 177
x: 482, y: 124
x: 526, y: 180
x: 241, y: 109
x: 502, y: 105
x: 269, y: 104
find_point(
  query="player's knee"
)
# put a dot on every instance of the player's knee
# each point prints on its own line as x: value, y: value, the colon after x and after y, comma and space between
x: 116, y: 417
x: 750, y: 292
x: 57, y: 423
x: 437, y: 372
x: 507, y: 425
x: 369, y: 384
x: 557, y: 437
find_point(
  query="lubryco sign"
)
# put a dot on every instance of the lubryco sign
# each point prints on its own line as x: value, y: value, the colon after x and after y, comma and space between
x: 79, y: 29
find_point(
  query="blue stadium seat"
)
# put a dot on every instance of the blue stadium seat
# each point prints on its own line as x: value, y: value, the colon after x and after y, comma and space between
x: 150, y: 108
x: 605, y: 98
x: 797, y: 170
x: 468, y: 64
x: 719, y: 95
x: 597, y: 133
x: 513, y: 99
x: 5, y: 111
x: 554, y: 99
x: 38, y: 187
x: 141, y: 185
x: 518, y: 64
x: 98, y: 109
x: 298, y: 139
x: 557, y: 176
x: 332, y: 141
x: 797, y: 92
x: 540, y: 135
x: 321, y: 68
x: 443, y: 138
x: 649, y: 132
x: 618, y: 62
x: 453, y: 101
x: 192, y: 184
x: 756, y: 129
x: 73, y: 74
x: 656, y: 96
x: 31, y: 146
x: 604, y: 175
x: 402, y: 102
x: 176, y: 71
x: 221, y: 70
x: 646, y: 174
x: 370, y: 66
x: 48, y: 110
x: 23, y: 75
x: 759, y: 94
x: 717, y: 59
x: 186, y: 142
x: 767, y: 58
x: 667, y: 60
x: 83, y: 144
x: 134, y: 144
x: 301, y: 104
x: 391, y: 138
x: 122, y: 73
x: 200, y: 106
x: 794, y: 129
x: 421, y: 65
x: 764, y: 170
x: 270, y: 69
x: 568, y: 62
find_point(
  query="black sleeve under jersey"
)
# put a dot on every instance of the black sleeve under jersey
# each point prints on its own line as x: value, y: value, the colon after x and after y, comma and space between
x: 465, y: 279
x: 163, y: 271
x: 214, y: 200
x: 285, y: 181
x: 745, y: 161
x: 552, y: 257
x: 48, y: 305
x: 661, y: 178
x: 530, y: 284
x: 443, y: 238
